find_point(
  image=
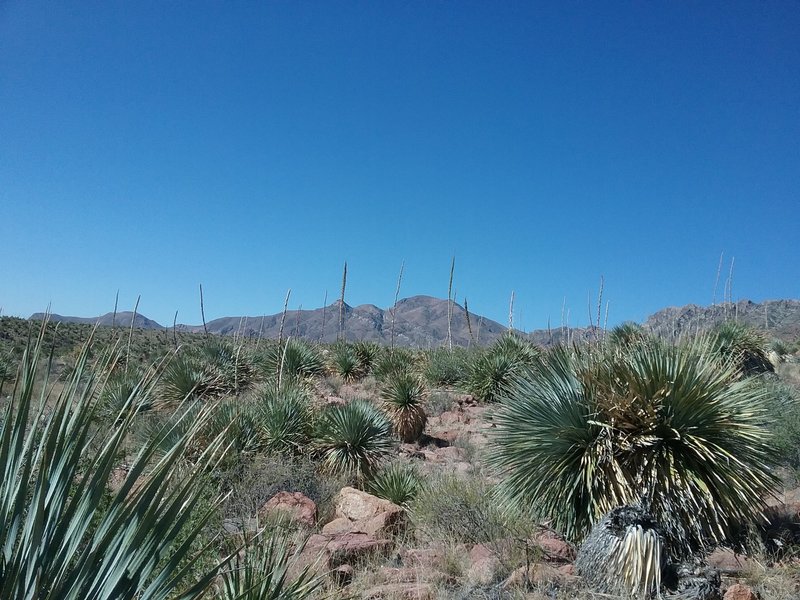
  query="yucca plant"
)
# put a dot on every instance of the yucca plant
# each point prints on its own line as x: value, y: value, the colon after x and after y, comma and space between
x: 494, y: 371
x: 8, y: 367
x: 367, y: 353
x: 399, y: 482
x: 230, y: 366
x: 123, y: 385
x: 626, y: 335
x: 345, y: 363
x: 403, y: 395
x: 742, y: 344
x: 187, y: 378
x: 294, y: 360
x: 267, y: 568
x: 63, y: 534
x: 664, y: 426
x: 284, y: 419
x: 392, y: 362
x: 353, y: 438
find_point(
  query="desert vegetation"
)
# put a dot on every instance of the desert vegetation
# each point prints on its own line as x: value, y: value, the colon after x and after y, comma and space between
x: 154, y: 464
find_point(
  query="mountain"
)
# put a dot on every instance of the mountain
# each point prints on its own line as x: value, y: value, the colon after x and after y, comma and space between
x: 778, y: 318
x: 418, y: 321
x: 121, y: 319
x: 421, y: 321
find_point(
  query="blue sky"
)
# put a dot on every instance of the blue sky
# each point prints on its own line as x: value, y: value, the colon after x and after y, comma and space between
x: 148, y: 147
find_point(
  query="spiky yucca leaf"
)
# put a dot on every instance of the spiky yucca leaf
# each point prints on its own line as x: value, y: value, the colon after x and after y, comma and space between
x: 403, y: 395
x: 353, y: 438
x: 494, y: 371
x: 665, y: 425
x: 62, y: 535
x: 266, y: 568
x: 399, y: 483
x: 284, y: 419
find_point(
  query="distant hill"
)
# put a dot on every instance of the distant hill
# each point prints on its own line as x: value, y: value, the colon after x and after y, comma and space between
x: 778, y: 318
x: 418, y: 321
x: 121, y: 319
x: 421, y: 321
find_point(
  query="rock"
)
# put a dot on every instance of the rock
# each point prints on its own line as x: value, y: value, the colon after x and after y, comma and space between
x: 400, y: 591
x: 358, y: 511
x: 422, y: 557
x: 327, y: 552
x: 337, y: 526
x: 554, y: 547
x: 740, y: 591
x: 356, y: 505
x: 342, y: 575
x: 728, y: 562
x: 298, y: 507
x: 540, y: 573
x: 484, y: 565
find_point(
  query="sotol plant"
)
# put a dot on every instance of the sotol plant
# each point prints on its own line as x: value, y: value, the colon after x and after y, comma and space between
x: 494, y: 371
x: 403, y: 395
x: 353, y: 438
x: 667, y: 426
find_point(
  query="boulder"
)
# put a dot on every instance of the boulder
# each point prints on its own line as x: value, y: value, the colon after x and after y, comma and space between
x: 728, y: 562
x: 327, y: 552
x: 484, y: 567
x: 298, y: 507
x: 740, y: 591
x: 358, y: 511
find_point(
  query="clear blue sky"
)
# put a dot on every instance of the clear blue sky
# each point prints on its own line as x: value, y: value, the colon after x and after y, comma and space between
x: 252, y: 147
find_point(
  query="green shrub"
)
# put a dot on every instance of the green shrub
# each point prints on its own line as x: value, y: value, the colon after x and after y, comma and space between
x: 445, y: 367
x: 353, y: 438
x: 399, y: 483
x: 668, y: 426
x: 268, y: 568
x: 403, y: 395
x: 284, y: 419
x: 494, y: 371
x: 345, y: 363
x: 462, y: 509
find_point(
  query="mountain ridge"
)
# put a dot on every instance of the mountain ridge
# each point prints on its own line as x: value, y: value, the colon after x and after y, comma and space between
x: 422, y: 321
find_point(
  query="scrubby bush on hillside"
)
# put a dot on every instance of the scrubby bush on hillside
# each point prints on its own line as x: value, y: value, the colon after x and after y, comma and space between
x: 445, y: 367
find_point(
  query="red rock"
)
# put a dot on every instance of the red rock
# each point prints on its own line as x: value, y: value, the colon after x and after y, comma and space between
x: 484, y: 565
x: 297, y: 506
x: 356, y: 505
x: 728, y: 562
x: 554, y: 547
x: 326, y: 552
x: 740, y: 591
